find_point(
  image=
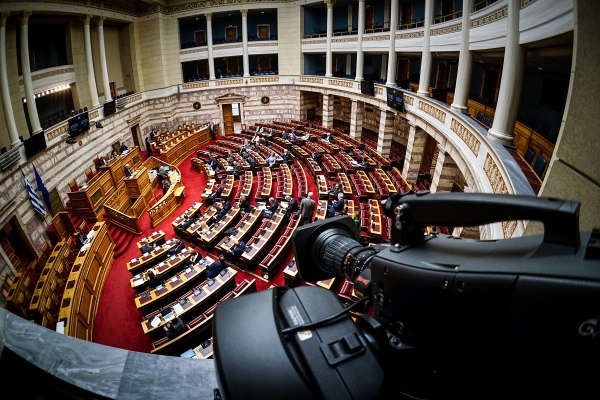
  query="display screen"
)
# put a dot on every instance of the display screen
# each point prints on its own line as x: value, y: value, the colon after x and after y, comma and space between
x: 79, y: 124
x: 395, y: 99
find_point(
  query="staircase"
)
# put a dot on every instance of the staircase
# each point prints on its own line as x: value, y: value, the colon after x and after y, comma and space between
x: 122, y: 238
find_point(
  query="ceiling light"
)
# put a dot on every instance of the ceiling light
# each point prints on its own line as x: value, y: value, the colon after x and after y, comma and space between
x: 540, y: 68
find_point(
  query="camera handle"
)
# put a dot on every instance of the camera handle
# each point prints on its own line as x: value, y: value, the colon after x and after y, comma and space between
x: 415, y: 211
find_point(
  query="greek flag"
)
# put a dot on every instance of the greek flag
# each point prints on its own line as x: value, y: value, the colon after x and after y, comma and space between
x: 42, y: 189
x: 35, y: 200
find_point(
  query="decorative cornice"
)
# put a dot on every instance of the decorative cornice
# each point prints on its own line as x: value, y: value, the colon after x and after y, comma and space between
x: 228, y: 46
x: 448, y: 29
x: 345, y: 40
x: 412, y: 35
x: 466, y: 136
x: 346, y: 84
x: 494, y: 176
x: 264, y: 79
x: 308, y: 79
x: 25, y: 17
x: 48, y: 74
x: 222, y: 82
x: 373, y: 38
x: 271, y: 43
x: 525, y: 3
x: 196, y: 50
x: 409, y: 100
x: 195, y: 85
x: 433, y: 111
x: 100, y: 21
x: 489, y: 18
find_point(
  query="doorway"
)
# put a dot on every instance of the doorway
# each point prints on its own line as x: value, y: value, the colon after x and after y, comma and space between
x: 113, y: 90
x: 228, y: 119
x: 489, y: 89
x: 135, y: 134
x: 15, y: 245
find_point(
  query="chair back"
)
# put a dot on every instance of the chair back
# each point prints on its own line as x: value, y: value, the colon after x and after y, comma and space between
x: 73, y: 186
x: 539, y: 165
x: 528, y: 156
x: 479, y: 116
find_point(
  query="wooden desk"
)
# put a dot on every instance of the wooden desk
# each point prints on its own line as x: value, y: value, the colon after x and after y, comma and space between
x: 366, y: 181
x: 147, y: 260
x: 137, y: 182
x: 204, y: 350
x: 243, y: 230
x: 55, y: 272
x: 343, y: 179
x: 166, y: 268
x: 84, y: 285
x: 290, y: 273
x: 209, y: 238
x: 193, y: 211
x: 376, y: 218
x: 157, y: 237
x: 184, y: 144
x: 159, y: 296
x: 257, y: 245
x: 203, y: 296
x: 321, y: 213
x: 322, y: 187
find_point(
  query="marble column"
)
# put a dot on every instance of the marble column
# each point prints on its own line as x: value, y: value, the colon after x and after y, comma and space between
x: 34, y: 119
x: 356, y: 119
x: 209, y: 43
x: 328, y: 54
x: 391, y: 70
x: 89, y: 61
x: 245, y: 42
x: 445, y: 173
x: 360, y: 56
x: 465, y: 62
x: 4, y: 92
x: 328, y: 111
x: 511, y: 84
x: 386, y: 128
x: 417, y: 139
x: 426, y: 56
x: 102, y: 50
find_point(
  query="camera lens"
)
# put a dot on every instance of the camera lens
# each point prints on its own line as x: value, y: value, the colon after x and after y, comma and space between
x: 341, y: 255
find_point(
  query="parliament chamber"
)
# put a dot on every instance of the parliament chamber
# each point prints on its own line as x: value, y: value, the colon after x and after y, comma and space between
x: 143, y: 141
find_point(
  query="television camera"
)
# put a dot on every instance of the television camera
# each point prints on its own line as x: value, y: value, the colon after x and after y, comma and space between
x: 449, y: 317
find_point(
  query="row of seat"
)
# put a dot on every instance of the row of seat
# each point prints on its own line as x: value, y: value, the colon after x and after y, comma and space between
x: 274, y: 259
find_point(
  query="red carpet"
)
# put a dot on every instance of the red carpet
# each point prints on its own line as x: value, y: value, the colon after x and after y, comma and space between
x: 118, y: 321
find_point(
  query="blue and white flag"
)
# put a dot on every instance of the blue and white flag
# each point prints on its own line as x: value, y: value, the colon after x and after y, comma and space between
x: 42, y: 188
x: 35, y: 200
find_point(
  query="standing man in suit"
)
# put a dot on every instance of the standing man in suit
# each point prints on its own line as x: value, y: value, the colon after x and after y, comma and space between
x: 307, y: 208
x: 211, y: 127
x: 127, y: 171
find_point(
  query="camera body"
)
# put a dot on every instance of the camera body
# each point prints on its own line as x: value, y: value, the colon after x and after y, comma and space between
x: 451, y: 317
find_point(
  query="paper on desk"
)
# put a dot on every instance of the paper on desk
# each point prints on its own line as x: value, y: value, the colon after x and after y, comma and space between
x: 138, y: 282
x: 146, y: 254
x: 174, y: 279
x: 170, y: 316
x: 177, y: 308
x: 60, y: 327
x: 155, y: 322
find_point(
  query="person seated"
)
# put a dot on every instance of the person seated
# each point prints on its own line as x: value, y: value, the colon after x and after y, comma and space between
x: 317, y: 158
x: 127, y: 171
x: 80, y: 240
x: 292, y: 138
x: 252, y: 162
x: 222, y: 210
x: 335, y: 191
x: 286, y: 156
x: 237, y: 169
x: 174, y: 327
x: 256, y: 139
x: 102, y: 161
x: 154, y: 279
x: 215, y: 268
x: 284, y: 135
x: 272, y: 207
x: 230, y: 158
x: 123, y: 148
x: 271, y: 132
x: 214, y: 164
x: 146, y: 247
x: 237, y: 250
x: 271, y: 160
x: 292, y: 205
x: 265, y: 142
x: 329, y: 137
x: 186, y: 223
x: 194, y: 258
x: 215, y: 195
x: 336, y: 206
x: 176, y: 249
x: 306, y: 137
x: 244, y: 205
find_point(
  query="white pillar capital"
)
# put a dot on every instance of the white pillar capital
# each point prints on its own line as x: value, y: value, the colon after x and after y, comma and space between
x: 330, y: 3
x: 25, y: 17
x: 244, y: 13
x: 87, y: 18
x: 208, y: 16
x: 100, y: 21
x: 3, y: 18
